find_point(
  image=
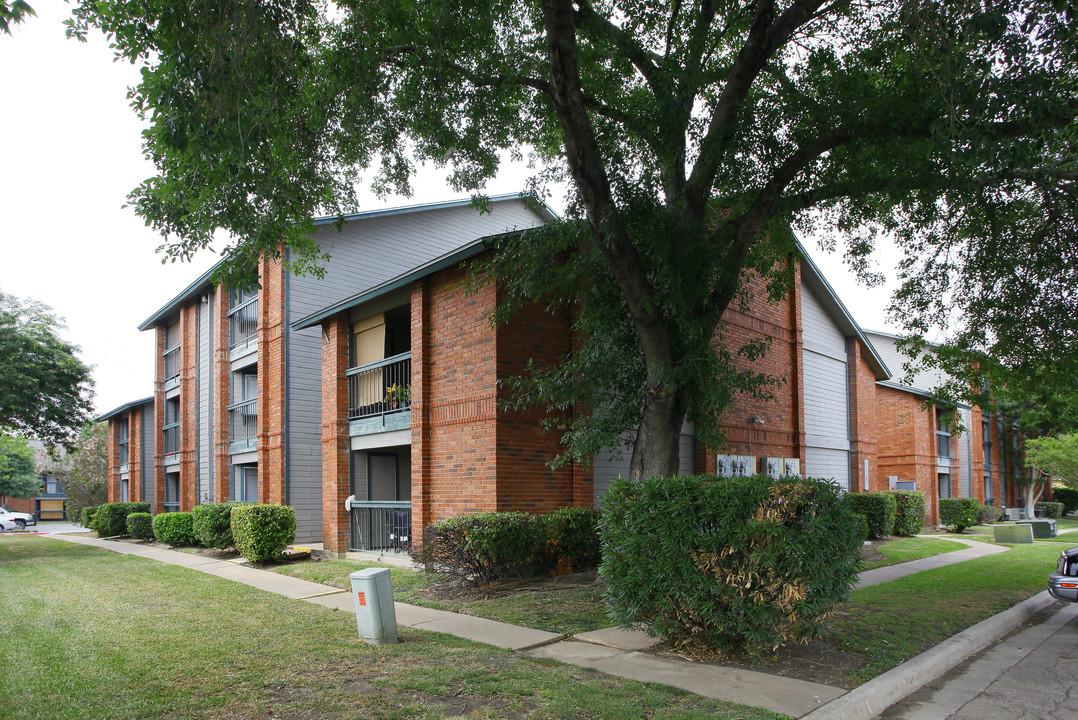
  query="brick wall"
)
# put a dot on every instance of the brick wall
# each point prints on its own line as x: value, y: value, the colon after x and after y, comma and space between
x: 906, y: 437
x: 864, y: 421
x: 189, y: 405
x: 335, y: 440
x: 271, y: 383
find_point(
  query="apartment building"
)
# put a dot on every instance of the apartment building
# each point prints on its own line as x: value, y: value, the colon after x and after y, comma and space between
x: 237, y: 399
x: 131, y: 445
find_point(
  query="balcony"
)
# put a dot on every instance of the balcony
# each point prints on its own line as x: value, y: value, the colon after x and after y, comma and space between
x: 172, y: 368
x: 171, y: 435
x: 384, y: 527
x: 244, y: 421
x: 243, y: 329
x: 380, y: 395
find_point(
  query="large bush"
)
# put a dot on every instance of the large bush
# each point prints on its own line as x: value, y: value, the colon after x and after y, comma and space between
x: 879, y: 510
x: 140, y: 525
x: 484, y: 547
x: 87, y: 516
x: 1052, y: 510
x: 740, y: 564
x: 110, y: 519
x: 174, y: 528
x: 959, y: 513
x: 262, y: 532
x: 909, y: 512
x: 213, y: 524
x: 572, y: 539
x: 1067, y: 496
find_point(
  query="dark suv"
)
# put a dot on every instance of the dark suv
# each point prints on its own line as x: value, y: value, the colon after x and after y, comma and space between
x: 1063, y: 583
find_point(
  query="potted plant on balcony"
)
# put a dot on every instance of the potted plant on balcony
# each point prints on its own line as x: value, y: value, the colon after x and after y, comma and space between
x: 398, y: 396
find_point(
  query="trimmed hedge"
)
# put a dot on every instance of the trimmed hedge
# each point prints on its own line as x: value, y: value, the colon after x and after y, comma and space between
x: 740, y: 564
x: 175, y: 528
x: 909, y: 512
x: 213, y: 524
x: 572, y: 539
x: 878, y: 508
x: 959, y: 513
x: 87, y: 516
x: 262, y: 532
x: 111, y: 518
x: 140, y: 525
x: 484, y: 547
x: 1067, y: 496
x: 1053, y: 510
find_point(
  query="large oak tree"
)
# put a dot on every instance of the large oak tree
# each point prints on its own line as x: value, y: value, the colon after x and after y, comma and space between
x: 694, y: 136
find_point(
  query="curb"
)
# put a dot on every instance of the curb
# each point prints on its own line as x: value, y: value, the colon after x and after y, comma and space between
x: 877, y: 695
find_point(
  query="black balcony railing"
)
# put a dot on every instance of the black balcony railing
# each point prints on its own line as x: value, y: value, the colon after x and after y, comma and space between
x: 243, y: 323
x: 172, y: 363
x: 381, y: 527
x: 244, y: 418
x: 380, y: 387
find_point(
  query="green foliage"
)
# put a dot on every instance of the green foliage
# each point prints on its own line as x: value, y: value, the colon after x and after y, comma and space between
x: 13, y: 13
x: 86, y: 516
x: 572, y: 539
x: 140, y: 525
x: 213, y: 524
x: 18, y: 468
x: 878, y: 508
x: 45, y: 390
x: 110, y: 519
x: 1053, y: 510
x: 959, y: 513
x: 1056, y: 457
x: 691, y: 141
x: 988, y: 514
x: 484, y: 547
x: 741, y: 564
x: 909, y: 512
x: 175, y: 528
x: 85, y: 469
x: 262, y: 532
x: 1067, y: 496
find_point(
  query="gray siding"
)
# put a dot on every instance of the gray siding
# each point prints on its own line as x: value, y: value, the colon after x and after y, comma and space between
x: 923, y: 380
x: 827, y: 411
x: 205, y: 399
x: 607, y: 468
x: 365, y: 253
x: 965, y: 483
x: 148, y: 434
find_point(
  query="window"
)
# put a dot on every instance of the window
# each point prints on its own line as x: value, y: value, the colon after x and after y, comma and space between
x: 943, y: 433
x: 244, y: 407
x: 172, y: 492
x: 245, y: 483
x: 945, y: 485
x: 124, y: 491
x: 52, y: 486
x: 172, y: 350
x: 171, y: 428
x: 242, y: 316
x: 986, y: 445
x: 122, y: 443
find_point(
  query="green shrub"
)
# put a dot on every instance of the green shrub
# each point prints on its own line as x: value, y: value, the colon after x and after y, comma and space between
x: 110, y: 519
x: 213, y: 524
x: 87, y: 516
x: 741, y: 564
x: 862, y: 526
x: 484, y: 547
x: 988, y: 514
x: 959, y: 513
x: 878, y: 508
x: 262, y: 532
x: 174, y: 528
x: 1052, y: 510
x: 140, y: 525
x: 909, y: 512
x: 572, y: 539
x: 1067, y: 496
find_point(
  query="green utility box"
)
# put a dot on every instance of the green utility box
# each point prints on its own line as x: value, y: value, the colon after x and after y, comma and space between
x: 1013, y: 533
x: 1042, y: 528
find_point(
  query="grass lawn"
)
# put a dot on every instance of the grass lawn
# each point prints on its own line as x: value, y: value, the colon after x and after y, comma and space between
x: 568, y: 609
x: 893, y: 622
x: 912, y: 548
x: 95, y: 635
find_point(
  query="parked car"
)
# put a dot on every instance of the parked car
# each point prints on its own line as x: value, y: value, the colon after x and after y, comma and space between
x: 6, y: 524
x: 1063, y: 583
x: 21, y: 520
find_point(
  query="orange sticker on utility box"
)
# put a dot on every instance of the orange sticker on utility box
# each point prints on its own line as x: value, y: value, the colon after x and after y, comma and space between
x: 362, y: 599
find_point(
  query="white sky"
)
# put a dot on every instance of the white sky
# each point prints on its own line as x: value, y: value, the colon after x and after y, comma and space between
x: 70, y: 153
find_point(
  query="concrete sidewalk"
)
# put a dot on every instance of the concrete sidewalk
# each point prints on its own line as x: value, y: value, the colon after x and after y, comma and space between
x: 620, y: 652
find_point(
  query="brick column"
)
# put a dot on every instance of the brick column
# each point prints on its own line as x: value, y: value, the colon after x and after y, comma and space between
x: 421, y: 465
x: 134, y: 453
x: 272, y: 375
x: 336, y: 478
x: 112, y: 491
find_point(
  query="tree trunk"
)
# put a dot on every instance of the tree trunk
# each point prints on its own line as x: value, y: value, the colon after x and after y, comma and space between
x: 1031, y: 493
x: 656, y: 451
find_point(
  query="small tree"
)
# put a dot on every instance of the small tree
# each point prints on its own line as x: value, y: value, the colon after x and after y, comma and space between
x: 18, y: 470
x: 85, y: 471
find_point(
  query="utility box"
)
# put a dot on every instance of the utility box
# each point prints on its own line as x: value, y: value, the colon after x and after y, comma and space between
x: 1042, y: 528
x: 372, y: 596
x: 1012, y: 533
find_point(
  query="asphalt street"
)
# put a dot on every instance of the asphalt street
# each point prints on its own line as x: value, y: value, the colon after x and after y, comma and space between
x: 1029, y: 675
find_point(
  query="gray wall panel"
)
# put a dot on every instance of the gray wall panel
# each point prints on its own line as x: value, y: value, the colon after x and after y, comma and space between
x: 148, y: 434
x: 606, y: 469
x: 205, y: 399
x: 827, y: 409
x: 829, y: 464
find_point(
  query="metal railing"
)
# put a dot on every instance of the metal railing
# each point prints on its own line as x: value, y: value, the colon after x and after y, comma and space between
x: 244, y: 417
x: 381, y: 527
x: 172, y: 439
x: 380, y: 387
x: 243, y: 323
x: 172, y: 363
x: 123, y: 453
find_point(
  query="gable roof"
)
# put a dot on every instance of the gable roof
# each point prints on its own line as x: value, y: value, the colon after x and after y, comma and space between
x: 124, y: 408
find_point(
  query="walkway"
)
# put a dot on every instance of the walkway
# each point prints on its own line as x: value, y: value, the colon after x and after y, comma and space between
x: 612, y: 650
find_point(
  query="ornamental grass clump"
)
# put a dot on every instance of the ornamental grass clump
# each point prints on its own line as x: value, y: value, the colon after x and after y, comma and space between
x: 740, y: 565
